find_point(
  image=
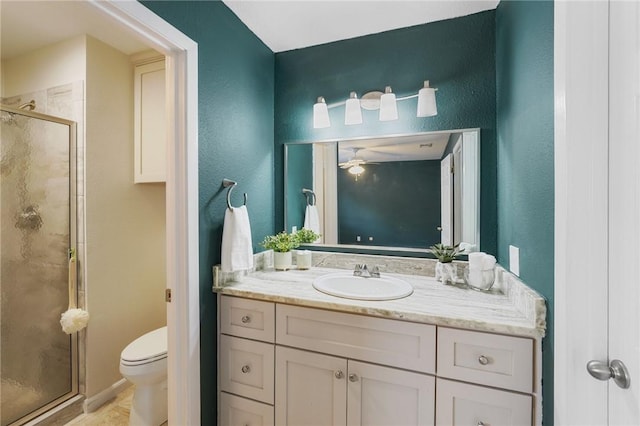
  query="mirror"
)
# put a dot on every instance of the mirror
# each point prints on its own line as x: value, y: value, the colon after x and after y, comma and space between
x: 404, y: 192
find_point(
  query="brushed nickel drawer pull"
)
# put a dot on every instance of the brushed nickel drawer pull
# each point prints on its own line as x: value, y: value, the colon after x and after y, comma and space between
x: 339, y: 374
x: 246, y: 369
x: 246, y: 319
x: 483, y: 360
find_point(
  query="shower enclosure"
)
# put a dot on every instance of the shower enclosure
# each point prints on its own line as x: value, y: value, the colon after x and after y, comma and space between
x: 38, y: 361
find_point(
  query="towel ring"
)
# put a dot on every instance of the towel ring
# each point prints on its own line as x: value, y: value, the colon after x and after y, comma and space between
x: 308, y: 192
x: 227, y: 183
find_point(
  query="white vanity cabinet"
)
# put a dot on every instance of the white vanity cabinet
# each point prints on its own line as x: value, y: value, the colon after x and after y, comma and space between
x: 246, y: 362
x: 294, y: 365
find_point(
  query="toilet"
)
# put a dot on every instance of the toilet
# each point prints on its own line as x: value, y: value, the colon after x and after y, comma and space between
x: 144, y: 363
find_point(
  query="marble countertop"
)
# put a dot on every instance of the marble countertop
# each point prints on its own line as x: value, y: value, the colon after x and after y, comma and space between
x: 513, y: 309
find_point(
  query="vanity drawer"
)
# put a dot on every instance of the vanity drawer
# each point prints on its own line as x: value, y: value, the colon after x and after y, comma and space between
x: 490, y: 359
x: 237, y: 411
x: 246, y: 368
x: 253, y: 319
x: 462, y: 404
x: 396, y: 343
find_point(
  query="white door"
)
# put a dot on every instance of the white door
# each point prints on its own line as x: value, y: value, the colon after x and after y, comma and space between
x: 597, y: 255
x: 624, y: 207
x: 446, y: 200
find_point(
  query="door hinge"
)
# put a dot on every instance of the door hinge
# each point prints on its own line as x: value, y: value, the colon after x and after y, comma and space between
x: 167, y: 295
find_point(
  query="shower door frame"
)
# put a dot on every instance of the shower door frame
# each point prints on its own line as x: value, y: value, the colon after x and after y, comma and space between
x: 73, y: 212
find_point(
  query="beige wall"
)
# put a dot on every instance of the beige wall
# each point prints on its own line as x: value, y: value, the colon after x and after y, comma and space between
x: 51, y: 66
x: 125, y: 222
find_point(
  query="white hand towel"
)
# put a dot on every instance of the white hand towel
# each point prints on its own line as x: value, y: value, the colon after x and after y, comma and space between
x: 237, y: 250
x: 488, y: 262
x: 311, y: 219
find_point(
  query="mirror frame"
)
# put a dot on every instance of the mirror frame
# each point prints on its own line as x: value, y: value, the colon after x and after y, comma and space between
x: 387, y: 250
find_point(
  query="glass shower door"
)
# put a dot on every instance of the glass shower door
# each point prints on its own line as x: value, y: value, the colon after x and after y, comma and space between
x: 38, y: 361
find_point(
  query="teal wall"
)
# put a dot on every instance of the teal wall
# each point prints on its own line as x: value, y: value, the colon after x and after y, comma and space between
x: 456, y: 55
x: 236, y: 98
x: 524, y: 76
x: 397, y: 203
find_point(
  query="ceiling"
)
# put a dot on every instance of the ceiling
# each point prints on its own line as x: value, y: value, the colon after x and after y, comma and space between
x: 418, y: 147
x: 294, y: 24
x: 29, y: 25
x: 281, y: 25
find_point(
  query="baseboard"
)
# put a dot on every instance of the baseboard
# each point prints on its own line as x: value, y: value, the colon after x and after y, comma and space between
x: 98, y: 400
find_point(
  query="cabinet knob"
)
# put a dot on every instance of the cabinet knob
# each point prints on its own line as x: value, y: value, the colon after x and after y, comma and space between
x: 339, y: 374
x: 246, y: 319
x: 480, y: 424
x: 246, y: 369
x: 483, y: 360
x: 353, y: 377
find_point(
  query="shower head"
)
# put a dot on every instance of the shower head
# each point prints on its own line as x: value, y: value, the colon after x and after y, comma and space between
x: 29, y: 106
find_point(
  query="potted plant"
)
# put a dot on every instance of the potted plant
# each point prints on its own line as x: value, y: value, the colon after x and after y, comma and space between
x: 306, y: 236
x: 446, y: 270
x: 281, y: 244
x: 303, y: 257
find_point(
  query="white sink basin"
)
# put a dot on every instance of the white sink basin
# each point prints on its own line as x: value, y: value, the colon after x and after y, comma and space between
x: 345, y: 284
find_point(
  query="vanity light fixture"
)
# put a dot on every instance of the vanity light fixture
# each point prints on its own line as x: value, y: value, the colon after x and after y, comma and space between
x: 385, y: 102
x: 427, y: 101
x: 321, y: 114
x: 388, y: 107
x: 352, y: 111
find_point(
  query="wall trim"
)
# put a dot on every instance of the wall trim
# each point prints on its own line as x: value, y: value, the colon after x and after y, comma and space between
x: 183, y: 313
x: 92, y: 404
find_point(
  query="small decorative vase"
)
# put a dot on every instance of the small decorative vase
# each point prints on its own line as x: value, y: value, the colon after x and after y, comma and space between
x: 282, y: 260
x: 303, y: 259
x: 446, y: 272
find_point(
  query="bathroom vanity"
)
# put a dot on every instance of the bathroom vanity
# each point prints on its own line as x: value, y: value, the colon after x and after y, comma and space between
x: 445, y: 355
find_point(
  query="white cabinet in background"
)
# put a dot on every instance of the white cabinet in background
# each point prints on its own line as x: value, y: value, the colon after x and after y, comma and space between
x: 150, y: 134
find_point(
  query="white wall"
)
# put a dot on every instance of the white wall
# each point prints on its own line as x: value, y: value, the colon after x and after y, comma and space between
x: 125, y: 240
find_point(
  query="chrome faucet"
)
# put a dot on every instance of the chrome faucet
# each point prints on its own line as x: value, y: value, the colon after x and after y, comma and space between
x: 361, y: 270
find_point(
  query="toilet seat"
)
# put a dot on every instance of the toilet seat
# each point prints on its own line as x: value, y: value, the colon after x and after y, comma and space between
x: 146, y: 349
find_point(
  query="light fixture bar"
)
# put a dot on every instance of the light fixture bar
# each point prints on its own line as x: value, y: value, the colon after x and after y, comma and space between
x: 385, y: 102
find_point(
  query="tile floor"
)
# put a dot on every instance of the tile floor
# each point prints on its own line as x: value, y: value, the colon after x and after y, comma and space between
x: 113, y: 413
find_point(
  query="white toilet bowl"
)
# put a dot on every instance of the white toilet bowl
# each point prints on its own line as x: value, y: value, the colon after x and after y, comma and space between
x: 144, y: 363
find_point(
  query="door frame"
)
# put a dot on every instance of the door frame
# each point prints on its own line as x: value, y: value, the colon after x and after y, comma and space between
x: 183, y: 313
x: 581, y: 75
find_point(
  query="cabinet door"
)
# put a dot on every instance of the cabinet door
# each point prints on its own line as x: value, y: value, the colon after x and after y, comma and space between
x: 150, y: 134
x: 310, y: 388
x: 462, y: 404
x: 236, y: 411
x: 387, y: 396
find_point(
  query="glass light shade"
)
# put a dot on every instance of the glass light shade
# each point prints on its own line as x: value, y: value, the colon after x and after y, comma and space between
x: 321, y: 114
x: 388, y: 107
x: 356, y: 170
x: 427, y: 101
x: 352, y: 111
